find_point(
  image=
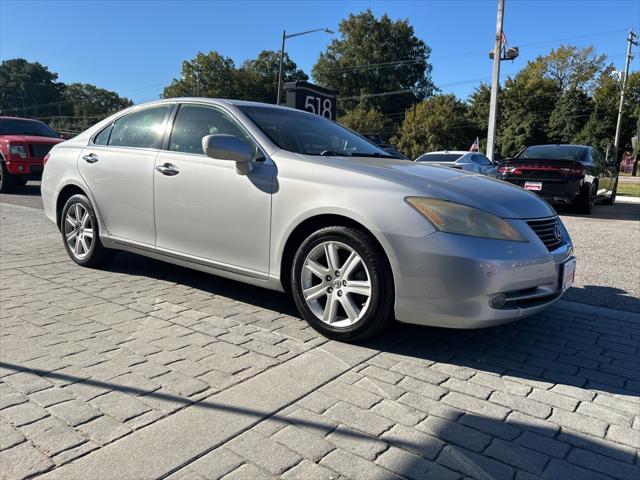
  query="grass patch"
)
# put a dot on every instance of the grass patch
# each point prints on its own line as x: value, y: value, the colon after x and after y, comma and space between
x: 629, y: 189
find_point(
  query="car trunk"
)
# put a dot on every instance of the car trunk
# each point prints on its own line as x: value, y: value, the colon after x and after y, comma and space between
x: 540, y: 169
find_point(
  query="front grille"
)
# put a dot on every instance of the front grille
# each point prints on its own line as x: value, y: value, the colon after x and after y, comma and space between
x: 39, y: 150
x: 546, y: 230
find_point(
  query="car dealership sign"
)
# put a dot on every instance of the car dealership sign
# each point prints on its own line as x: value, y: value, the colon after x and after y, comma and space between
x: 312, y: 98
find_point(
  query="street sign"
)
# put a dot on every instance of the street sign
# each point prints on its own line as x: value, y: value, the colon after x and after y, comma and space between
x: 312, y: 98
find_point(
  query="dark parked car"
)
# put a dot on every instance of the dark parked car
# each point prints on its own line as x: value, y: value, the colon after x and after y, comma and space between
x: 564, y: 174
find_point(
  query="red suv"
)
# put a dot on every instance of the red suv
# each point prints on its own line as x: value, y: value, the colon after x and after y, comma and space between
x: 23, y: 145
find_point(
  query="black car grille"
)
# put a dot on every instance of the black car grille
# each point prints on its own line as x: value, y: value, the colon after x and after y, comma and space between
x: 39, y: 150
x: 546, y: 229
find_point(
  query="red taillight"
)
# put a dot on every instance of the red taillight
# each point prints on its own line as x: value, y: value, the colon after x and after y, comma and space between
x: 507, y: 169
x: 46, y: 158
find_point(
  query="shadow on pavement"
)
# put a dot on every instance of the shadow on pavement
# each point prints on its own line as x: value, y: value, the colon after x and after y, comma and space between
x: 550, y: 347
x: 606, y: 296
x: 619, y: 211
x: 472, y: 445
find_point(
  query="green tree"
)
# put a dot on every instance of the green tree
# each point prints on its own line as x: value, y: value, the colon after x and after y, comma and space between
x: 86, y: 105
x: 28, y: 89
x: 438, y: 123
x: 261, y: 83
x: 216, y: 76
x: 365, y: 120
x: 569, y: 116
x: 376, y: 56
x: 572, y: 67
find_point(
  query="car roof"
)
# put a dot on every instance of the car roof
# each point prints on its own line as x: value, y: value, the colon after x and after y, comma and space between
x: 20, y: 118
x: 224, y: 101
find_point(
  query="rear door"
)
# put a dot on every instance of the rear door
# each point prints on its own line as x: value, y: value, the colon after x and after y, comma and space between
x: 118, y: 168
x: 604, y: 173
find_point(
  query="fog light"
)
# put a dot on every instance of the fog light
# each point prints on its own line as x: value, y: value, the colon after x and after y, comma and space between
x: 498, y: 301
x: 20, y: 168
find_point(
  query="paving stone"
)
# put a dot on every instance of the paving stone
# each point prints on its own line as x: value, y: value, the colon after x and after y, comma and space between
x: 490, y: 426
x: 429, y: 406
x: 120, y: 406
x: 414, y: 440
x: 455, y: 433
x: 247, y: 471
x: 51, y: 396
x: 581, y: 423
x: 264, y: 452
x: 550, y: 397
x: 472, y: 464
x: 23, y: 414
x: 318, y: 424
x: 412, y: 466
x: 357, y: 443
x: 543, y: 444
x: 9, y: 436
x: 471, y: 404
x: 422, y: 388
x: 23, y: 461
x: 310, y: 446
x: 516, y: 456
x: 607, y: 414
x: 74, y: 412
x: 616, y: 433
x: 419, y: 372
x: 562, y: 469
x: 307, y: 470
x: 104, y: 430
x: 522, y: 404
x: 380, y: 388
x: 352, y: 466
x: 467, y: 388
x: 73, y: 453
x: 602, y: 464
x: 350, y: 393
x: 213, y: 465
x: 27, y: 383
x: 362, y: 420
x: 51, y: 436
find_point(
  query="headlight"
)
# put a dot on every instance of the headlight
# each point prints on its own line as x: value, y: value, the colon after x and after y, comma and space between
x: 17, y: 150
x: 455, y: 218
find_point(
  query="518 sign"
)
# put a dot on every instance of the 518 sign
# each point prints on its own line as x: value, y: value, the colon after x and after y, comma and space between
x: 312, y: 98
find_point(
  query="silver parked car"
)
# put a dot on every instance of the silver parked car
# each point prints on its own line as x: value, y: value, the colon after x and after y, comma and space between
x: 468, y: 161
x: 288, y: 200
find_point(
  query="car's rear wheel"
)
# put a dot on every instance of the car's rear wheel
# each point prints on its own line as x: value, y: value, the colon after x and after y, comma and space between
x: 587, y: 200
x: 7, y: 181
x: 79, y: 227
x: 341, y: 284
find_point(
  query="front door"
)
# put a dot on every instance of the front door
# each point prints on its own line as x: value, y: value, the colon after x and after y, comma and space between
x: 118, y: 169
x: 203, y: 207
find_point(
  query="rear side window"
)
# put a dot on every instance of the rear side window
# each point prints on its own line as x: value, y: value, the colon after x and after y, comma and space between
x: 141, y: 129
x: 194, y: 122
x: 438, y: 157
x: 481, y: 159
x: 554, y: 152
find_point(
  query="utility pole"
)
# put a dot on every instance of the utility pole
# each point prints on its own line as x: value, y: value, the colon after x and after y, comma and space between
x: 616, y: 144
x: 495, y: 83
x: 284, y: 37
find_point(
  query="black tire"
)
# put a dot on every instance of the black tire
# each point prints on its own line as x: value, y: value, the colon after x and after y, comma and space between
x: 380, y: 307
x: 587, y: 200
x: 7, y: 181
x: 97, y: 254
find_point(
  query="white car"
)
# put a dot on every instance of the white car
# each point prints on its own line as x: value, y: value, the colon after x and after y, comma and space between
x: 468, y: 161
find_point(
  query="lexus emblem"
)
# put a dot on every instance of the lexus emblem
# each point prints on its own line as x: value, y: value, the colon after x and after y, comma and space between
x: 558, y: 233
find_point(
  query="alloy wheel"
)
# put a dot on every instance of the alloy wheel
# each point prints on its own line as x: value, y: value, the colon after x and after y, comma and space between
x: 336, y: 284
x: 78, y: 230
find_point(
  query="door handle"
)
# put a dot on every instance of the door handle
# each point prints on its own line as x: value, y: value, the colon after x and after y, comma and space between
x: 90, y: 158
x: 168, y: 169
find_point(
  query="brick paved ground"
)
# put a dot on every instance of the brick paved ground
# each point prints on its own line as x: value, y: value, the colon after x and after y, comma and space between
x: 146, y: 370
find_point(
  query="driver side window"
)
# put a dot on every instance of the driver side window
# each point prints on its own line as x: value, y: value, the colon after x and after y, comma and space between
x: 194, y: 122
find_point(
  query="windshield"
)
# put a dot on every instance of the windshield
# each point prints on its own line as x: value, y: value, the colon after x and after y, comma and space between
x: 309, y: 134
x: 438, y: 157
x: 554, y: 152
x: 26, y: 127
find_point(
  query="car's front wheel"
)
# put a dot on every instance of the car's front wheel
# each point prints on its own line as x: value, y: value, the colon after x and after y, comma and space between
x: 7, y: 181
x: 79, y: 227
x: 341, y: 284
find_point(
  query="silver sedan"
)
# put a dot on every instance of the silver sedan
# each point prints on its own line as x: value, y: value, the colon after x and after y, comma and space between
x: 291, y: 201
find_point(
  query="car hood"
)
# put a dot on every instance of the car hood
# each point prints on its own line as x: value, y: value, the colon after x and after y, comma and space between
x: 500, y: 198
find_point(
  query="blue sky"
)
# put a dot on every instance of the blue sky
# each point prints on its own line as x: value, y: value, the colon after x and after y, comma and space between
x: 136, y: 47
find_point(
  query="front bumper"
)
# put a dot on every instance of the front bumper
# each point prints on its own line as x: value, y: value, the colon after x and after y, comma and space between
x: 30, y: 170
x: 448, y: 280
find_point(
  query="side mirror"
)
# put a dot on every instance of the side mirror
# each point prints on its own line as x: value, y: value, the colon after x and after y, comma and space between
x: 229, y: 147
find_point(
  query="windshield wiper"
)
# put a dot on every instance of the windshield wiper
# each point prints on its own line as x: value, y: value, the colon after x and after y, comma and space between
x: 333, y: 153
x: 370, y: 155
